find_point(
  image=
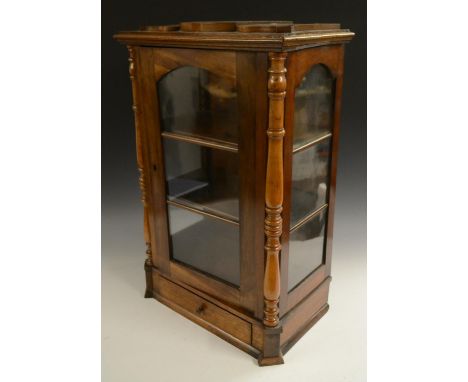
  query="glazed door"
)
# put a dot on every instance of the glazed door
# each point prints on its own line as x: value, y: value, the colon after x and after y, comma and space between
x: 312, y: 138
x: 199, y: 130
x: 200, y: 187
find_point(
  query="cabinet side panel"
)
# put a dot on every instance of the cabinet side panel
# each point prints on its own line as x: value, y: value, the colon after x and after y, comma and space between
x: 334, y: 158
x: 304, y: 313
x: 287, y: 170
x: 135, y: 73
x: 157, y: 217
x: 246, y: 88
x: 261, y: 125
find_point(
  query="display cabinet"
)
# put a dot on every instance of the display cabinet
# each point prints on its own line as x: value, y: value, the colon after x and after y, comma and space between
x: 237, y: 129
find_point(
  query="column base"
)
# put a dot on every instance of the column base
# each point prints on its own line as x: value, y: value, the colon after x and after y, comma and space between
x: 270, y: 361
x: 149, y: 280
x: 272, y: 354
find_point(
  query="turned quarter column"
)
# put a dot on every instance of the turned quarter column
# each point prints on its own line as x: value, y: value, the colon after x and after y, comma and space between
x: 271, y: 354
x: 142, y: 179
x: 274, y: 187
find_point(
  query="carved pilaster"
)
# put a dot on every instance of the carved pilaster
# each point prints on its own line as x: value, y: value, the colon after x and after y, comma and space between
x: 142, y: 183
x: 139, y: 152
x: 274, y: 187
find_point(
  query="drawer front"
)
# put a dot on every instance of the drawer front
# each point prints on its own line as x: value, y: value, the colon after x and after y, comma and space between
x: 205, y: 310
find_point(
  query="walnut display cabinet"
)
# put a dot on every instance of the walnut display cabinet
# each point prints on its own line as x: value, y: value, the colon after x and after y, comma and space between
x: 237, y: 135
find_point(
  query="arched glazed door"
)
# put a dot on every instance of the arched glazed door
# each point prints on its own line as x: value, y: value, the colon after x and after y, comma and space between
x: 202, y: 222
x: 199, y: 126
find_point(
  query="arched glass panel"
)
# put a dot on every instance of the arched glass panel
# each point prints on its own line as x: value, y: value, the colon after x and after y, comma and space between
x: 313, y: 120
x: 313, y: 104
x: 199, y: 103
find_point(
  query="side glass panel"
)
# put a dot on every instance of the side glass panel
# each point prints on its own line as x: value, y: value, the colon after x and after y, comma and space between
x: 306, y: 246
x: 313, y: 104
x: 199, y: 132
x: 199, y: 103
x: 309, y: 180
x: 313, y: 120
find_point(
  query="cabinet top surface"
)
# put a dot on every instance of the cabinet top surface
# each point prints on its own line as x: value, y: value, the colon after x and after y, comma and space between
x: 242, y: 35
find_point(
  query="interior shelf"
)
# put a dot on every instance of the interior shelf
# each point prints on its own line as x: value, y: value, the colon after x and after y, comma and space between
x: 204, y: 210
x: 191, y: 190
x: 178, y: 187
x: 202, y: 141
x: 309, y: 140
x: 222, y: 128
x: 305, y: 219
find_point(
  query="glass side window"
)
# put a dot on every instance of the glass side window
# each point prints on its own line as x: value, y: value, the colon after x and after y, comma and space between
x: 199, y: 129
x: 306, y: 245
x: 309, y: 180
x: 313, y: 106
x: 313, y: 125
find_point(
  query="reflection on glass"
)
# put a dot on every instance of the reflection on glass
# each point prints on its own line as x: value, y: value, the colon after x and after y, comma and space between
x: 313, y: 106
x: 199, y: 103
x: 309, y: 180
x: 306, y: 248
x: 207, y: 244
x: 204, y: 178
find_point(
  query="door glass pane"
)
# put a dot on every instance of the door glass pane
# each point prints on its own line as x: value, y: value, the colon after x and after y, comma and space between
x: 306, y: 249
x: 205, y: 243
x: 313, y: 106
x: 309, y: 180
x: 204, y: 178
x: 199, y: 132
x: 199, y: 103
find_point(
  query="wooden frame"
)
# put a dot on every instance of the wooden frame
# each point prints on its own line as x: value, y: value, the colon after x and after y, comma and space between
x: 266, y: 61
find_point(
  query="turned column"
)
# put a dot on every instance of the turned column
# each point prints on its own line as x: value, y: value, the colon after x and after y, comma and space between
x: 274, y: 187
x: 142, y: 177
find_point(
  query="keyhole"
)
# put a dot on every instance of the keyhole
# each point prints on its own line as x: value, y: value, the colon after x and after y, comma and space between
x: 201, y: 308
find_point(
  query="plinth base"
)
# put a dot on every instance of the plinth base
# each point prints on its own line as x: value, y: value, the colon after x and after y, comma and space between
x: 267, y: 345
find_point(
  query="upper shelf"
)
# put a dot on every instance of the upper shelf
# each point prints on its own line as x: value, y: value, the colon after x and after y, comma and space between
x: 239, y: 35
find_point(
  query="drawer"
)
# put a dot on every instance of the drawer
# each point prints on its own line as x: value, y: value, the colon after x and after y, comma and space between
x: 205, y: 310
